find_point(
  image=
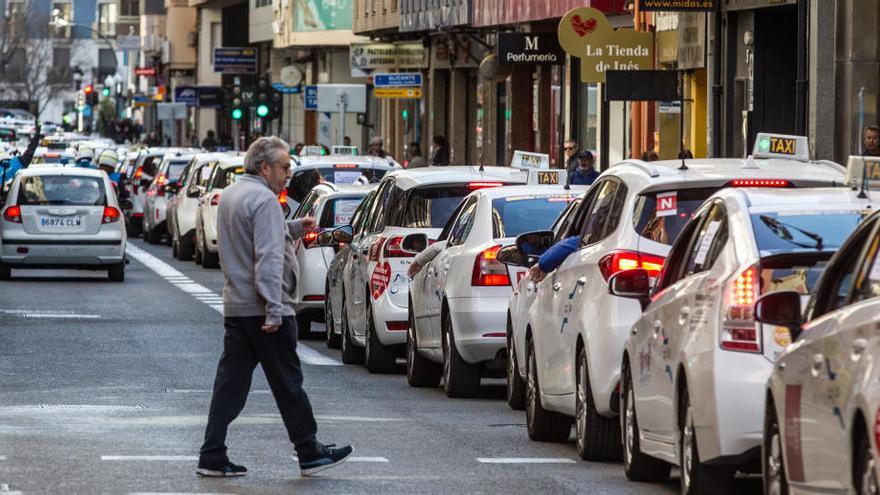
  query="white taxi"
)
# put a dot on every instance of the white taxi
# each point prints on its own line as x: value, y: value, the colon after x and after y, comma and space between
x: 342, y: 169
x: 628, y: 219
x: 696, y: 362
x: 163, y: 186
x: 227, y: 171
x: 458, y: 300
x: 183, y: 206
x: 376, y: 281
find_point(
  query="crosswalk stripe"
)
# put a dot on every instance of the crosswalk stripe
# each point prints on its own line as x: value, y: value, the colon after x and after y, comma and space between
x: 524, y: 460
x: 358, y: 459
x: 149, y: 458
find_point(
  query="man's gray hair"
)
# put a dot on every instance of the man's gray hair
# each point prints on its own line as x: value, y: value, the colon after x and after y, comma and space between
x: 264, y: 150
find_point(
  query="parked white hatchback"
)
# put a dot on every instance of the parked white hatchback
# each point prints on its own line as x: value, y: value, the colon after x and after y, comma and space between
x: 458, y: 300
x: 696, y: 362
x: 184, y: 205
x: 628, y: 219
x: 227, y: 171
x: 62, y: 217
x: 162, y: 187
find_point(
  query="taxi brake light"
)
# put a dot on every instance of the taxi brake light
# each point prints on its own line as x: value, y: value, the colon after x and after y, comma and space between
x: 139, y: 173
x: 282, y: 198
x: 393, y: 248
x: 488, y: 271
x: 12, y: 214
x: 473, y: 186
x: 111, y: 215
x: 759, y: 183
x: 740, y: 331
x: 345, y: 165
x: 618, y: 261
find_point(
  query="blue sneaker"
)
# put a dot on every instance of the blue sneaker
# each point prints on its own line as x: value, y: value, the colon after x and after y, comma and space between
x: 327, y: 457
x: 227, y: 470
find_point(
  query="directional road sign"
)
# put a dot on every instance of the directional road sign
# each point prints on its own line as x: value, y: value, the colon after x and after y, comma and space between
x: 398, y: 93
x: 397, y: 79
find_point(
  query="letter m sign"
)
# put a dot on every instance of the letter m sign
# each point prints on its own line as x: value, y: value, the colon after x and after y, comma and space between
x: 531, y: 43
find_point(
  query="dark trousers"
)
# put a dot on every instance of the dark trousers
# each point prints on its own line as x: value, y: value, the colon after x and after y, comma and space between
x: 244, y: 346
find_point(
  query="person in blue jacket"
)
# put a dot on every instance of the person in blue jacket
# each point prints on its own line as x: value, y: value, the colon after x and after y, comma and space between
x: 553, y: 257
x: 585, y: 174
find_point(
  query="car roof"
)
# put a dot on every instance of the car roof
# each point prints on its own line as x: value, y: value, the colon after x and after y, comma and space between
x: 805, y: 199
x: 360, y: 160
x: 70, y: 171
x: 505, y: 191
x: 231, y: 161
x: 407, y: 179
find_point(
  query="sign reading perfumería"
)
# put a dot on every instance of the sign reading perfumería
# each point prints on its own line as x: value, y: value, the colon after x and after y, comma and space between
x: 585, y: 33
x: 529, y: 48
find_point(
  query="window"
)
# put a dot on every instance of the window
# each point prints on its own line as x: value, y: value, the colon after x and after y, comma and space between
x: 867, y: 285
x: 64, y: 13
x: 463, y: 224
x: 129, y: 8
x: 601, y: 219
x: 307, y: 207
x: 107, y: 19
x: 565, y: 220
x: 665, y: 225
x: 515, y: 215
x: 225, y: 177
x: 70, y: 190
x: 785, y: 232
x: 444, y: 234
x: 262, y: 3
x: 339, y: 211
x: 376, y: 222
x: 710, y: 240
x: 431, y: 207
x: 60, y: 70
x: 174, y: 170
x: 362, y: 213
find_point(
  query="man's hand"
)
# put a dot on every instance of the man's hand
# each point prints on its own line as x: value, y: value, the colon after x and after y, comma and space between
x: 414, y: 269
x: 536, y: 273
x: 308, y: 223
x: 270, y: 328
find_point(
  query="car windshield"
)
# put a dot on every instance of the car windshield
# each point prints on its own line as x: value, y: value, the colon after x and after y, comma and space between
x: 431, y: 207
x: 338, y: 211
x: 660, y: 215
x: 227, y: 177
x: 347, y: 175
x: 62, y: 190
x: 175, y: 169
x: 514, y: 215
x: 798, y: 230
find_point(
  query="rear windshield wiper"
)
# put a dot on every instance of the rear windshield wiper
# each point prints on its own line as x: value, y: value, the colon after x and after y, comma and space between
x: 781, y: 229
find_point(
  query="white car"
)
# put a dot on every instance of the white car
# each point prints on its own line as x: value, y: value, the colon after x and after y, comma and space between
x: 696, y: 362
x: 225, y: 173
x: 332, y: 206
x: 140, y: 173
x: 62, y: 217
x: 518, y: 309
x: 183, y: 206
x: 156, y: 201
x: 576, y: 329
x: 309, y: 171
x: 822, y: 398
x: 376, y: 284
x: 458, y: 300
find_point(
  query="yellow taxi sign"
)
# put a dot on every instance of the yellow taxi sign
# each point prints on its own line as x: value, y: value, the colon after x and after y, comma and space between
x: 550, y: 177
x: 867, y: 167
x: 781, y: 146
x: 398, y: 93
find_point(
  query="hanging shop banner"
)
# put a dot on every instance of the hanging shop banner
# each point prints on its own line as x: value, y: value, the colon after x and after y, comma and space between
x: 585, y: 33
x: 529, y: 49
x: 367, y: 57
x: 322, y: 15
x: 678, y: 5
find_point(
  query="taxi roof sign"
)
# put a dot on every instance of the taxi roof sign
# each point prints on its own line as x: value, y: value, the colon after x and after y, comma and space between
x: 528, y: 159
x: 344, y: 150
x: 863, y: 167
x: 782, y: 146
x: 312, y: 150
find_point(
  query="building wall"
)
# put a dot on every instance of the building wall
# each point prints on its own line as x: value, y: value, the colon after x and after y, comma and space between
x: 375, y: 15
x: 496, y: 12
x: 181, y: 35
x: 260, y: 22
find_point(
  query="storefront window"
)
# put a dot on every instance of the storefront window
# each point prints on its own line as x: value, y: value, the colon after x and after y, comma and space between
x: 588, y: 117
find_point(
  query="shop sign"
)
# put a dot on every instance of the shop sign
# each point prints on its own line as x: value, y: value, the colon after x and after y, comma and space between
x: 322, y: 16
x: 145, y: 71
x: 678, y: 5
x: 398, y: 93
x: 585, y: 33
x: 229, y: 60
x: 367, y: 57
x: 397, y: 79
x: 691, y: 41
x: 311, y: 99
x: 186, y: 94
x: 529, y: 48
x: 128, y: 42
x: 210, y: 97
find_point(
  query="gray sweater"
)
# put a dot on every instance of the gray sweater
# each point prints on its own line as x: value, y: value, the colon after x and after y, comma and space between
x: 256, y: 251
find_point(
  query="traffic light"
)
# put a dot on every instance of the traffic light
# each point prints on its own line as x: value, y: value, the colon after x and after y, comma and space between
x: 276, y: 103
x: 105, y: 92
x: 234, y: 102
x: 262, y: 100
x: 91, y: 96
x: 236, y: 114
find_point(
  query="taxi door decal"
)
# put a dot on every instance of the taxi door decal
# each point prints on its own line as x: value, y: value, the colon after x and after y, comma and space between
x: 792, y: 441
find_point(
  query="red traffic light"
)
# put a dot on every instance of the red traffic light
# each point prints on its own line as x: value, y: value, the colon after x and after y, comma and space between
x: 89, y: 89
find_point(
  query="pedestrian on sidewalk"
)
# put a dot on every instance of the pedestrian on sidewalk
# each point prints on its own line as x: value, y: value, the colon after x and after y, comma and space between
x: 440, y: 152
x: 871, y: 140
x: 257, y: 256
x: 570, y: 150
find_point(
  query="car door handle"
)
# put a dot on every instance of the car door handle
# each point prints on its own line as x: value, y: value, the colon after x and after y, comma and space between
x: 557, y: 286
x: 430, y: 271
x: 446, y: 267
x: 582, y: 280
x: 858, y: 348
x: 683, y: 315
x: 658, y: 328
x: 530, y: 286
x: 818, y: 362
x: 364, y: 251
x: 780, y: 366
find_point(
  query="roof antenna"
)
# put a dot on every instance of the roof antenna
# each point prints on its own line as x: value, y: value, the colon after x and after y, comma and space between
x: 683, y: 156
x: 862, y: 194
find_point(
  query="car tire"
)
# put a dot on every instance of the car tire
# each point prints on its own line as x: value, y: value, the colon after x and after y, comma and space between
x: 334, y: 341
x: 865, y: 479
x: 516, y: 386
x: 209, y: 259
x: 116, y: 273
x: 460, y: 378
x: 597, y: 437
x: 420, y: 372
x: 378, y: 358
x: 185, y: 249
x: 542, y: 425
x: 773, y: 462
x: 135, y: 228
x: 351, y: 354
x: 636, y: 465
x: 5, y: 272
x: 698, y: 478
x: 303, y: 327
x: 175, y: 249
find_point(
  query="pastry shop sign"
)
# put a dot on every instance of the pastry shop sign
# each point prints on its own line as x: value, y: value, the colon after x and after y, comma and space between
x: 585, y: 33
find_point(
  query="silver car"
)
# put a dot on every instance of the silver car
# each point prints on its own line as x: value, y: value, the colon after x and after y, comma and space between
x: 62, y: 218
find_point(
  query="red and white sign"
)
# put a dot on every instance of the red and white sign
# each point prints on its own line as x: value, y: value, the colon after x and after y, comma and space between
x: 667, y: 204
x: 379, y: 279
x: 145, y: 71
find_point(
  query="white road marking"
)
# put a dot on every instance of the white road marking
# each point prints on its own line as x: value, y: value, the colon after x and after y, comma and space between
x: 178, y: 493
x: 357, y: 459
x: 4, y: 488
x: 149, y: 458
x: 3, y: 458
x: 215, y: 301
x: 524, y: 460
x: 42, y: 313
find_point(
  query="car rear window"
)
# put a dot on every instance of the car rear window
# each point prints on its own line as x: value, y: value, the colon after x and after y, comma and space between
x: 793, y: 231
x: 338, y: 211
x: 62, y: 190
x: 676, y: 208
x: 227, y: 177
x: 175, y: 169
x: 515, y: 215
x: 431, y: 207
x: 348, y: 175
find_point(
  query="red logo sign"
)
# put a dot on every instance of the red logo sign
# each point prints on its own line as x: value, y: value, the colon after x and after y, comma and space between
x: 582, y: 27
x: 379, y: 280
x: 667, y: 204
x: 145, y: 71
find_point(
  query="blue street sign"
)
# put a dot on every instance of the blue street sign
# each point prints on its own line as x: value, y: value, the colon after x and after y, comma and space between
x: 399, y: 79
x: 311, y: 102
x: 235, y: 60
x: 288, y: 90
x: 87, y: 111
x: 186, y: 94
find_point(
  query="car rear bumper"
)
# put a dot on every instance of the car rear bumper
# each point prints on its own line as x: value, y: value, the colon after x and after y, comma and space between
x: 480, y: 325
x: 385, y: 311
x: 78, y: 252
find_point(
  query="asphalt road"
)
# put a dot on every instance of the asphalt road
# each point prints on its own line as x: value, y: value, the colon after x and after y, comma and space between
x: 104, y: 388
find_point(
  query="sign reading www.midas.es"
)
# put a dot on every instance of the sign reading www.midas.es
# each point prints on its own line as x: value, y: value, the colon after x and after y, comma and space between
x: 678, y: 5
x: 584, y: 32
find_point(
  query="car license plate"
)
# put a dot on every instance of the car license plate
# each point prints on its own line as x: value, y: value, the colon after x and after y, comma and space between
x: 61, y: 221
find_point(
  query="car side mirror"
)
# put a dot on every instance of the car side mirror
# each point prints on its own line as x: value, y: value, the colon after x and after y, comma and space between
x: 126, y: 204
x: 781, y: 308
x: 511, y: 255
x: 325, y: 239
x: 172, y: 187
x: 533, y: 244
x: 343, y: 234
x: 631, y: 284
x: 414, y: 243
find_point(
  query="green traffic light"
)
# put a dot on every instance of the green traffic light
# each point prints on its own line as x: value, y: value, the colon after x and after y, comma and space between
x: 236, y: 114
x: 105, y: 92
x: 262, y: 110
x: 405, y: 114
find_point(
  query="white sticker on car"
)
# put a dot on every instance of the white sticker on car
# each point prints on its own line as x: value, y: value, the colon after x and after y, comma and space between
x: 711, y: 230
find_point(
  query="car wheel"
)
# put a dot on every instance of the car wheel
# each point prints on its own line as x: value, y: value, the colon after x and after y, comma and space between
x: 420, y: 372
x: 5, y: 272
x: 698, y: 478
x: 636, y: 465
x: 775, y: 482
x: 597, y: 437
x: 303, y: 327
x: 185, y: 249
x: 460, y: 378
x: 333, y: 339
x: 209, y: 259
x: 516, y: 386
x: 379, y: 358
x: 542, y: 425
x: 351, y: 354
x: 865, y: 469
x: 174, y: 248
x: 117, y: 272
